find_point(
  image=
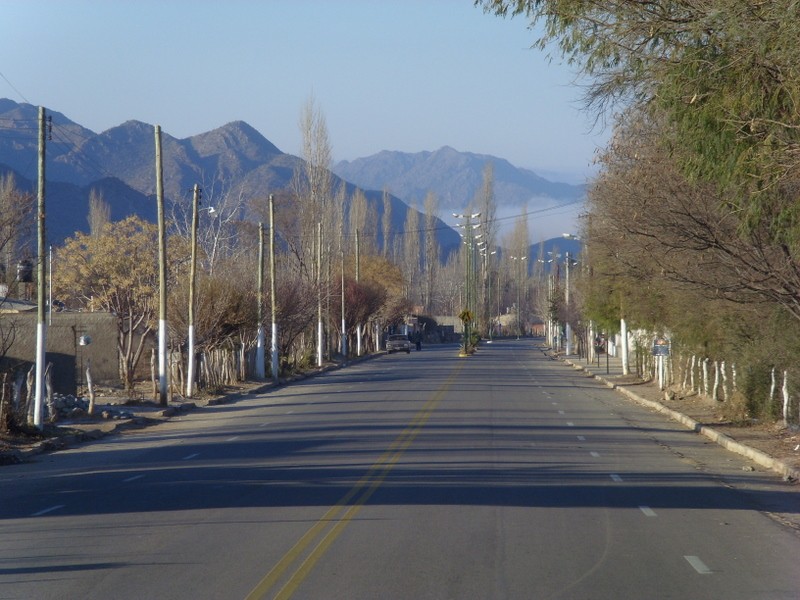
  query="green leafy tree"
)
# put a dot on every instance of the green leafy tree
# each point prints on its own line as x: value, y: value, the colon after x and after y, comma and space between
x: 723, y: 73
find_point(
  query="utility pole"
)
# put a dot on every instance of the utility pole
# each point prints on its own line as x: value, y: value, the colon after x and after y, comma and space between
x: 41, y: 326
x: 192, y: 280
x: 273, y: 298
x: 260, y: 358
x: 344, y: 322
x: 319, y: 296
x: 567, y: 316
x: 162, y: 276
x: 358, y: 273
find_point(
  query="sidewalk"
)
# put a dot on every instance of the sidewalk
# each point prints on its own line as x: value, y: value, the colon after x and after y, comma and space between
x: 772, y: 447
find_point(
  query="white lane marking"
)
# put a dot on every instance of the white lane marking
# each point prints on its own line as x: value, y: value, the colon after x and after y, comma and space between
x: 191, y: 456
x: 570, y: 424
x: 595, y: 454
x: 698, y: 565
x: 554, y: 403
x: 615, y: 477
x: 264, y: 424
x: 289, y: 412
x: 48, y: 510
x: 561, y: 412
x: 581, y: 438
x: 647, y: 511
x: 232, y: 439
x: 134, y: 478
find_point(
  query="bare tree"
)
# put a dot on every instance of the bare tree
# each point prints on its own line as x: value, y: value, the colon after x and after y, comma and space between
x: 387, y: 225
x: 15, y: 223
x: 431, y: 247
x: 99, y: 212
x: 411, y: 252
x: 488, y: 220
x: 312, y: 187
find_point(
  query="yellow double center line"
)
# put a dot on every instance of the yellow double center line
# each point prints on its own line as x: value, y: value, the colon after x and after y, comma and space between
x: 325, y: 531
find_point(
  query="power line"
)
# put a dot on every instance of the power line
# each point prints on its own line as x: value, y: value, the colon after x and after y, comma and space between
x: 11, y: 85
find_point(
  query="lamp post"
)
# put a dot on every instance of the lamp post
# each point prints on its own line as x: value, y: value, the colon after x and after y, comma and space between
x: 487, y: 289
x: 569, y: 262
x: 518, y: 260
x: 190, y: 364
x: 568, y: 314
x: 468, y: 237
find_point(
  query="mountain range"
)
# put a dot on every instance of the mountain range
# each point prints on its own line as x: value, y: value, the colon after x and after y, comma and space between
x: 119, y: 163
x: 455, y: 177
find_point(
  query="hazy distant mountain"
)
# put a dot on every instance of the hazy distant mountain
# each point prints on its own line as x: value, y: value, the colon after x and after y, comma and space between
x: 121, y: 162
x: 455, y: 177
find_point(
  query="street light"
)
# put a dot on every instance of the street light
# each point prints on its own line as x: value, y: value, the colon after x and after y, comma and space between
x: 518, y: 260
x: 569, y: 262
x: 192, y: 281
x: 487, y: 289
x: 468, y: 227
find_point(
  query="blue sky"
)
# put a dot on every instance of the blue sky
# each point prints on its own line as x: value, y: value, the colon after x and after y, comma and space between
x: 407, y: 75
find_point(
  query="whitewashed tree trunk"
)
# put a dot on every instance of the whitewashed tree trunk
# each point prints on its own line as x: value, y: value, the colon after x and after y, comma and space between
x: 724, y: 369
x: 48, y: 386
x: 706, y: 383
x: 623, y: 326
x: 694, y: 358
x: 686, y: 372
x: 785, y: 397
x: 18, y: 381
x: 90, y: 386
x: 733, y: 377
x: 31, y: 405
x: 715, y: 389
x: 772, y: 386
x: 154, y: 374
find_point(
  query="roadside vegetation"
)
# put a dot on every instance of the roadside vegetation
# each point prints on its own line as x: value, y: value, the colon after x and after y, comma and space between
x: 693, y: 224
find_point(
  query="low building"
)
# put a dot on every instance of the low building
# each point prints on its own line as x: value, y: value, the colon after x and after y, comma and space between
x: 73, y: 341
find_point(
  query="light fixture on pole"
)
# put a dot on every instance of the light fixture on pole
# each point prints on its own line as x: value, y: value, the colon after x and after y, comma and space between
x: 197, y: 194
x: 519, y: 261
x: 568, y: 313
x: 468, y: 227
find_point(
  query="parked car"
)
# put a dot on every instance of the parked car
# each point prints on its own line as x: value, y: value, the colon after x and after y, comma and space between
x: 398, y: 343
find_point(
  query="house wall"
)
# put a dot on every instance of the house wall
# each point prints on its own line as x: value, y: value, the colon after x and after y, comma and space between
x: 63, y: 350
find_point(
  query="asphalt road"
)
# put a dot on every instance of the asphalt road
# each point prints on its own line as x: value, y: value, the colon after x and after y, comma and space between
x: 504, y: 475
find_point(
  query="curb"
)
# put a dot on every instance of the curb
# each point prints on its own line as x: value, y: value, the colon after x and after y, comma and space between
x: 788, y: 472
